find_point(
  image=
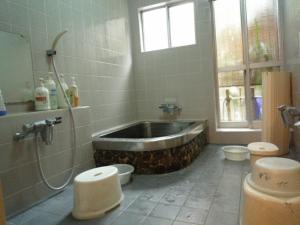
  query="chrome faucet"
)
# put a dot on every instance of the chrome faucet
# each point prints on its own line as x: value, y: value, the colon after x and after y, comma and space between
x: 170, y: 108
x: 289, y: 115
x: 43, y: 127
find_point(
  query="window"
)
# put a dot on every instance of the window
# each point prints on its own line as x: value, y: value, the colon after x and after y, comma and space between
x: 167, y: 26
x: 247, y: 45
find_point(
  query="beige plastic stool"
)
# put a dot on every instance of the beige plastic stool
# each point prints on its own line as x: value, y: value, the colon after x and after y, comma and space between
x: 259, y: 150
x: 96, y: 191
x: 272, y: 193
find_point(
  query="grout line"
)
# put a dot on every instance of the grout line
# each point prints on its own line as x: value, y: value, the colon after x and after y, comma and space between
x: 214, y: 197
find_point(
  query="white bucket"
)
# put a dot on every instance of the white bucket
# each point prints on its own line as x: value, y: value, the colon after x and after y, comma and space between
x: 125, y: 171
x: 236, y: 152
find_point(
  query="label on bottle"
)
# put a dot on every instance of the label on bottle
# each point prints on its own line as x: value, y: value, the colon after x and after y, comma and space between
x: 42, y: 102
x: 41, y: 99
x: 53, y: 99
x: 52, y: 92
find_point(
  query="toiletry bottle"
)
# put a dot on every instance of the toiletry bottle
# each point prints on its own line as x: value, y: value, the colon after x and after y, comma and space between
x: 74, y: 94
x: 41, y: 97
x: 62, y: 103
x: 51, y: 86
x: 3, y: 111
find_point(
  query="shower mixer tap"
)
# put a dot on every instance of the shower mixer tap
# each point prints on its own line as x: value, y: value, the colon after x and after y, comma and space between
x: 289, y: 115
x: 43, y: 127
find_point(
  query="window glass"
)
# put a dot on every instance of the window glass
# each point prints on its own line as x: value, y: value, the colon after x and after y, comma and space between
x: 232, y: 96
x: 256, y: 91
x: 262, y: 30
x: 155, y: 29
x: 228, y: 33
x: 182, y: 24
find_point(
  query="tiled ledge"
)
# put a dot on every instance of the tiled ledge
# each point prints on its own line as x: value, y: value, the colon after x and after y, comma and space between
x: 229, y: 130
x: 32, y: 113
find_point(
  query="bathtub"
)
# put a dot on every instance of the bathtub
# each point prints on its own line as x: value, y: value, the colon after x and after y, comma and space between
x: 151, y: 146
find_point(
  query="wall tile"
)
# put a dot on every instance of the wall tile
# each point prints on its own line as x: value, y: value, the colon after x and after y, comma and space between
x: 96, y: 50
x: 18, y: 166
x: 182, y: 73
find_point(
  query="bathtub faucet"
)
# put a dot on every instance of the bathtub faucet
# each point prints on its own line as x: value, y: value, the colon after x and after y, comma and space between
x: 43, y: 127
x: 170, y: 108
x: 289, y: 115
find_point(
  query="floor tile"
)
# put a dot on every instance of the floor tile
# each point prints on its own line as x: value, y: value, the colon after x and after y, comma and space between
x: 179, y: 198
x: 174, y: 198
x: 221, y: 218
x: 199, y: 202
x: 152, y: 195
x: 141, y: 207
x: 59, y: 206
x: 192, y: 215
x: 165, y: 211
x: 128, y: 218
x: 183, y: 223
x: 156, y: 221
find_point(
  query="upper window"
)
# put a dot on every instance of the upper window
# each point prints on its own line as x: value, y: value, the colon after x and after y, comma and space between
x: 247, y: 41
x: 167, y: 26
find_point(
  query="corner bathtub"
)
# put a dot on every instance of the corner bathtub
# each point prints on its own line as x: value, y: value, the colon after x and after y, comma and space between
x: 152, y: 147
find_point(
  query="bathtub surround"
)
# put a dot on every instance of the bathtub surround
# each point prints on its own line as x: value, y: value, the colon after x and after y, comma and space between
x: 156, y: 161
x: 22, y: 185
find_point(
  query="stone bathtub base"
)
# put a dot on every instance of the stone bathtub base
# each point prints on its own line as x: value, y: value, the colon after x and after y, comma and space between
x: 155, y: 162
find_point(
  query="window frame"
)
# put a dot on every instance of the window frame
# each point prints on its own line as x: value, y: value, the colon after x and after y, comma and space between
x: 247, y: 65
x: 167, y: 6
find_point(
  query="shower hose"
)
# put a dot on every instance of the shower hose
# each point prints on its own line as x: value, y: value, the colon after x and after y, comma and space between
x: 73, y: 130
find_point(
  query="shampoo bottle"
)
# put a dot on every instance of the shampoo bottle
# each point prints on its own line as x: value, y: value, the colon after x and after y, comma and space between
x: 51, y: 86
x: 41, y: 97
x: 62, y: 103
x: 74, y: 94
x: 3, y: 111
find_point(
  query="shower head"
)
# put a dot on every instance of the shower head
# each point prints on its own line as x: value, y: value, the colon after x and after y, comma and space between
x: 52, y: 51
x: 57, y: 38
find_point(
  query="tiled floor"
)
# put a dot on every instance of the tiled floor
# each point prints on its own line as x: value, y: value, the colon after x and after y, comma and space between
x: 205, y: 193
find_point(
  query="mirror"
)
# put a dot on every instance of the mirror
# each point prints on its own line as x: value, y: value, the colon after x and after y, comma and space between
x: 16, y: 76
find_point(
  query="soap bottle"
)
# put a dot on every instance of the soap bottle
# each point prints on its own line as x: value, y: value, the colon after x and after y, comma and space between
x: 41, y: 97
x: 51, y: 86
x: 74, y: 93
x: 62, y: 103
x: 3, y: 111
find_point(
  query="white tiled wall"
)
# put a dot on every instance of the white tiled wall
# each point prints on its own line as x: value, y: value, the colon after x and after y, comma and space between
x: 96, y: 49
x: 184, y: 73
x: 21, y: 181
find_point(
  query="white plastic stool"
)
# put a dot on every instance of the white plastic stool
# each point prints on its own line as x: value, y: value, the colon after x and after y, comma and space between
x: 272, y: 193
x: 96, y: 191
x: 260, y: 150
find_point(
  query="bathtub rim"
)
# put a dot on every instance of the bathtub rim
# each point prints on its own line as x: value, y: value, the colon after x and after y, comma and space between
x: 147, y: 144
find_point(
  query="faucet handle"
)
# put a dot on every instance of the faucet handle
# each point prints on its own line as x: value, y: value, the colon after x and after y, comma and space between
x: 52, y: 122
x: 28, y: 127
x: 58, y: 120
x: 281, y: 108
